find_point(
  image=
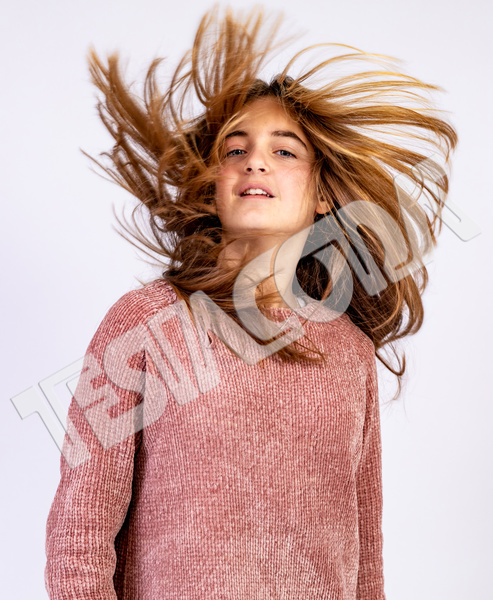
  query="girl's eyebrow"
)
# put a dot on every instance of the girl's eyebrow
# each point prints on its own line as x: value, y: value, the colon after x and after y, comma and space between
x: 289, y: 134
x: 278, y: 133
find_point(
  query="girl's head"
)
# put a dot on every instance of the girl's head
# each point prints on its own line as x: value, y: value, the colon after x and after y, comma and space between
x: 197, y: 153
x: 265, y: 183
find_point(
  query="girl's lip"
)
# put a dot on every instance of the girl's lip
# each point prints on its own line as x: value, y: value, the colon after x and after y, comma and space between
x: 254, y: 186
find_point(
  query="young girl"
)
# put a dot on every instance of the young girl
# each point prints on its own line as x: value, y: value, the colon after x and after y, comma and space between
x: 224, y: 436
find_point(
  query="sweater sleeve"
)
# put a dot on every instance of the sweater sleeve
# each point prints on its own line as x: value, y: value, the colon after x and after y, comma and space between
x: 92, y: 498
x: 370, y: 498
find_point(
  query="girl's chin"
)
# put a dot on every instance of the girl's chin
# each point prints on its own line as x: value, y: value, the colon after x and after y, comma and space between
x: 255, y: 225
x: 252, y: 232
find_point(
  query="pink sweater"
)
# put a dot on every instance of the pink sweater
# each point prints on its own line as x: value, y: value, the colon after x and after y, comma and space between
x: 265, y: 487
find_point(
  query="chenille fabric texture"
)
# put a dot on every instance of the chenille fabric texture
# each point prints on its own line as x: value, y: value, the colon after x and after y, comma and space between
x: 265, y: 487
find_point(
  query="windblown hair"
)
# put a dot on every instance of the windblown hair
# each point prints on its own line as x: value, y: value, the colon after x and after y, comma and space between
x: 367, y: 129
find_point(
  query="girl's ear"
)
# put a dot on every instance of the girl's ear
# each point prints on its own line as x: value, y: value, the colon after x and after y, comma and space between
x: 322, y: 207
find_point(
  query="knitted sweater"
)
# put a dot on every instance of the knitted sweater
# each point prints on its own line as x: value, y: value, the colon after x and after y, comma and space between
x: 264, y: 485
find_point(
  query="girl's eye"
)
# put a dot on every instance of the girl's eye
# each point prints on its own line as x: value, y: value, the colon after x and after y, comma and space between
x: 235, y: 152
x: 286, y: 153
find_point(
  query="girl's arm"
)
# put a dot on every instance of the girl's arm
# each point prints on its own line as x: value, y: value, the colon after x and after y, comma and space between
x: 92, y: 499
x: 370, y: 500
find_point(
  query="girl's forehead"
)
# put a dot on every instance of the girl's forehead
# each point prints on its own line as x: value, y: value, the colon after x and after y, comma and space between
x: 265, y: 116
x: 266, y: 110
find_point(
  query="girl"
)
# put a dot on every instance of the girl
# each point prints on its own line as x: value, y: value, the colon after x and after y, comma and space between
x: 224, y: 436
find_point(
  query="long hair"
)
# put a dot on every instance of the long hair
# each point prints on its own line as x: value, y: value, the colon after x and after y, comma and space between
x: 367, y: 129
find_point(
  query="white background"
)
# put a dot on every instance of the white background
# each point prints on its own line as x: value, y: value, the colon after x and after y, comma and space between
x: 63, y: 266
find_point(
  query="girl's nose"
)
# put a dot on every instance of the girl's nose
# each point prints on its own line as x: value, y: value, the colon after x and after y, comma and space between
x: 256, y: 162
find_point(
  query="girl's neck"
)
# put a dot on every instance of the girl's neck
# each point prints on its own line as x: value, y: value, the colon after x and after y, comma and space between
x: 260, y: 258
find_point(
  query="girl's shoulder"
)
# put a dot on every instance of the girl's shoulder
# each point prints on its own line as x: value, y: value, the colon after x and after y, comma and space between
x: 133, y: 310
x: 339, y: 328
x: 145, y: 300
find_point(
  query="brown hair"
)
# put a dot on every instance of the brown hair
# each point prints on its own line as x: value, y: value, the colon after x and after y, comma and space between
x: 366, y: 129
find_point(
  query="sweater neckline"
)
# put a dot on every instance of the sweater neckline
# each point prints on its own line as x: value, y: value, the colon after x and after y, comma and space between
x: 309, y: 309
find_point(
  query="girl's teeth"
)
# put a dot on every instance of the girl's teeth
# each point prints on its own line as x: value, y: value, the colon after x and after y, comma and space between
x: 256, y: 192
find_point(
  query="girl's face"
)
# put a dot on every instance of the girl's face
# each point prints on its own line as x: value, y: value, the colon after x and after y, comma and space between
x: 264, y: 184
